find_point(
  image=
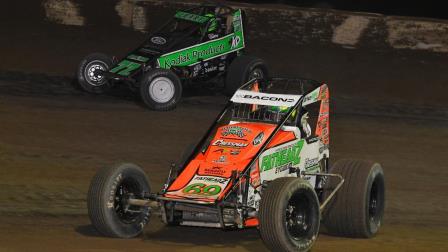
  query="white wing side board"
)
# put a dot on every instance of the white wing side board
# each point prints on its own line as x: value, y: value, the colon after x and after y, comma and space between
x: 251, y: 97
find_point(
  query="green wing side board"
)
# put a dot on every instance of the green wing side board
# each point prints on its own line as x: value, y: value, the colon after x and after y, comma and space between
x: 191, y: 17
x: 207, y: 50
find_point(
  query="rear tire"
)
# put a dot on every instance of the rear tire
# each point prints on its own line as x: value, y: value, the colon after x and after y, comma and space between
x: 161, y: 89
x: 106, y: 201
x: 289, y: 215
x: 357, y: 209
x: 242, y: 69
x: 89, y: 80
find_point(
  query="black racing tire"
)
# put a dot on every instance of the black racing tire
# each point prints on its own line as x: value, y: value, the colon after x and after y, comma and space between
x: 88, y: 80
x: 242, y: 69
x: 160, y: 89
x: 357, y: 209
x: 276, y: 215
x: 106, y: 201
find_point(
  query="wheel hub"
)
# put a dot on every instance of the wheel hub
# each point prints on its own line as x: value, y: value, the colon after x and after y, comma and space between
x: 298, y: 220
x: 257, y: 73
x: 161, y: 89
x: 93, y: 73
x: 125, y: 191
x: 374, y: 203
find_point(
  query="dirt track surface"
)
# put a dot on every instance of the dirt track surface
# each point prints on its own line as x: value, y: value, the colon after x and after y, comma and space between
x: 51, y: 146
x: 388, y: 106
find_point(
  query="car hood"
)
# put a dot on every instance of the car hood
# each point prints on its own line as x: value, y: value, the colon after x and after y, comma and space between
x: 232, y: 148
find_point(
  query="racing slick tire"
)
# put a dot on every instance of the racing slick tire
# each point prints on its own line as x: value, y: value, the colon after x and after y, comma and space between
x: 242, y: 69
x: 289, y: 217
x: 357, y: 208
x: 106, y: 201
x: 160, y: 89
x: 88, y: 79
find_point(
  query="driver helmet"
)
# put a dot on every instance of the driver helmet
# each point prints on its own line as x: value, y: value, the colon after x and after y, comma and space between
x: 276, y: 113
x: 214, y: 23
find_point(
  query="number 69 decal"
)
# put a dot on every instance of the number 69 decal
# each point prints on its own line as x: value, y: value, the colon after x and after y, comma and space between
x: 203, y: 189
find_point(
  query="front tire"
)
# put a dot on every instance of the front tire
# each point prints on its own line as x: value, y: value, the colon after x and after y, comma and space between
x: 106, y: 201
x: 243, y: 69
x: 161, y: 89
x: 289, y: 215
x: 88, y: 77
x: 357, y: 209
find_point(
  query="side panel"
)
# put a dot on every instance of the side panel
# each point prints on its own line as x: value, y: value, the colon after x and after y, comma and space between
x: 303, y: 153
x: 207, y: 50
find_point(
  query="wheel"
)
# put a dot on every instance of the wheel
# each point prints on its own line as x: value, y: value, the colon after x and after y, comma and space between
x: 161, y: 89
x: 289, y: 215
x: 358, y: 207
x: 88, y: 77
x: 242, y: 69
x: 107, y: 196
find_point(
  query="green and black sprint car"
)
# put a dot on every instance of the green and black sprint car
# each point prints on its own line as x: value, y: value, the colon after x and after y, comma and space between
x: 196, y: 46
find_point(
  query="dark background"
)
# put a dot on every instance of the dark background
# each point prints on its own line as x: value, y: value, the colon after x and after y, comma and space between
x: 430, y: 9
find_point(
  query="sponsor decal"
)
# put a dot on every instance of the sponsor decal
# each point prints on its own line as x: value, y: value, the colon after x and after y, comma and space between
x: 323, y: 148
x: 158, y: 40
x: 283, y: 158
x: 193, y: 55
x: 234, y: 152
x: 311, y: 164
x: 235, y: 42
x: 210, y: 179
x: 222, y: 159
x: 255, y: 176
x: 224, y: 143
x: 212, y: 36
x: 206, y: 185
x: 311, y: 97
x: 235, y: 131
x: 210, y: 69
x: 113, y: 189
x: 251, y: 201
x: 266, y: 98
x: 215, y: 170
x: 258, y: 139
x: 237, y: 22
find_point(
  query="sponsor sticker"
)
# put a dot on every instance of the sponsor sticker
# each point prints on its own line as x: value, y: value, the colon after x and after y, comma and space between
x: 235, y: 131
x: 251, y: 97
x: 215, y: 170
x: 282, y: 158
x: 222, y: 159
x: 158, y: 40
x: 311, y: 164
x: 224, y: 143
x: 205, y: 186
x: 258, y: 139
